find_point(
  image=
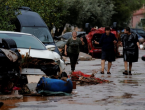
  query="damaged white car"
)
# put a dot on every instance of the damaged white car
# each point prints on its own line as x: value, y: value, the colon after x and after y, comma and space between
x: 41, y: 59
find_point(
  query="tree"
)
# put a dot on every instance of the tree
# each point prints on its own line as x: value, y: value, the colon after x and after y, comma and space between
x: 75, y: 12
x: 8, y: 14
x: 124, y: 10
x: 98, y: 12
x: 51, y: 11
x: 102, y: 12
x: 95, y: 12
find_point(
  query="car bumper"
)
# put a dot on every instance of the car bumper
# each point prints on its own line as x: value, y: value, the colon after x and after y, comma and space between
x: 95, y: 52
x: 36, y: 71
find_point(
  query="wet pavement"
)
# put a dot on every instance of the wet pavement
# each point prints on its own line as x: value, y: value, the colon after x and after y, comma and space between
x: 123, y: 93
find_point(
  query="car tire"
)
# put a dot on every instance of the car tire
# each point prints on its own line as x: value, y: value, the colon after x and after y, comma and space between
x: 143, y: 58
x: 9, y: 43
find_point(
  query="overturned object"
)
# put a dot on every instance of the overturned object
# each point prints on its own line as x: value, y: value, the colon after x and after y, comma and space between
x: 9, y: 65
x: 55, y: 85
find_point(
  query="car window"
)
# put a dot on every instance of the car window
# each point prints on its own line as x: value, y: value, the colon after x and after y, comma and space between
x: 141, y: 31
x: 24, y: 41
x: 41, y: 33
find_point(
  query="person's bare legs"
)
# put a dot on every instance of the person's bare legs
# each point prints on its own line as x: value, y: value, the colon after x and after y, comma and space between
x: 102, y: 65
x: 130, y: 67
x: 109, y: 66
x: 126, y: 66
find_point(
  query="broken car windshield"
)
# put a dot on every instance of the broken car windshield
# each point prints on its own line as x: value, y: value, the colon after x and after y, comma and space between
x: 41, y: 33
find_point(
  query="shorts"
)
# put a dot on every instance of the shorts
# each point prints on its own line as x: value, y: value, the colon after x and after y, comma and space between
x: 108, y: 55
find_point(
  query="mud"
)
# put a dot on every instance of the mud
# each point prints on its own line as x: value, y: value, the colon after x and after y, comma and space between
x: 123, y: 93
x: 8, y: 104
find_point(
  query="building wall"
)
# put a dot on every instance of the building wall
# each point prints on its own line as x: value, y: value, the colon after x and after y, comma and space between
x: 136, y: 19
x: 137, y: 16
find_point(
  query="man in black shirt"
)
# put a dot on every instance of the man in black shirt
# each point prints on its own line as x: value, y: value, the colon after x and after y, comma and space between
x: 107, y: 41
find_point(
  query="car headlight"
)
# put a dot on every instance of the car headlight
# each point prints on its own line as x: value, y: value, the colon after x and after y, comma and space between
x: 58, y: 62
x: 50, y: 47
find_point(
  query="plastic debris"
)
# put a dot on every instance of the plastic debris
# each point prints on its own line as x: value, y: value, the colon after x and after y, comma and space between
x: 82, y: 78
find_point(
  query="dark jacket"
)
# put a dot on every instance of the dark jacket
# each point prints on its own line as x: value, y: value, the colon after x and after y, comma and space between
x: 130, y: 48
x: 107, y: 42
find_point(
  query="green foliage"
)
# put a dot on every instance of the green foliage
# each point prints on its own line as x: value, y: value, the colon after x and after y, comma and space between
x: 51, y: 11
x: 124, y: 10
x: 7, y: 14
x: 75, y: 12
x: 96, y: 12
x: 101, y: 12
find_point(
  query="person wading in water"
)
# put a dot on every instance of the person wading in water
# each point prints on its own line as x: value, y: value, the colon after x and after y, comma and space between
x: 107, y: 42
x: 72, y: 49
x: 130, y: 49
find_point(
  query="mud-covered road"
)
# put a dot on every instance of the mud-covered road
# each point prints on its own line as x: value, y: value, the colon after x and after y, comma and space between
x: 123, y: 93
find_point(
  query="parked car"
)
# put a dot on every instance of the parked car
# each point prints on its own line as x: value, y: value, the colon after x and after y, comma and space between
x: 31, y: 22
x: 143, y: 58
x: 139, y: 31
x: 64, y: 38
x: 30, y: 44
x: 68, y: 35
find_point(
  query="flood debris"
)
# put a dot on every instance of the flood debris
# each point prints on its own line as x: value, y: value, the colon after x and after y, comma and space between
x: 1, y: 104
x: 9, y: 66
x: 49, y: 67
x: 82, y: 78
x: 54, y: 85
x: 84, y: 57
x: 7, y: 97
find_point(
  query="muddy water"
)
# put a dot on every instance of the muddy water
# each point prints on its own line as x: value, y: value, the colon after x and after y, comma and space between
x: 118, y: 93
x: 93, y: 96
x: 8, y: 104
x: 123, y: 93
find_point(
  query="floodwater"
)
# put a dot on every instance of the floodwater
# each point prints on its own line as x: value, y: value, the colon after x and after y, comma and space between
x: 123, y: 93
x: 12, y: 103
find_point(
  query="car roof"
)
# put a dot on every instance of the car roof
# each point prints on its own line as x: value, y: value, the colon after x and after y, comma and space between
x: 30, y: 18
x: 11, y: 32
x: 67, y: 35
x: 136, y: 29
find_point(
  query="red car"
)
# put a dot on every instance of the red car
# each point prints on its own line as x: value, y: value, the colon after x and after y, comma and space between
x: 95, y: 34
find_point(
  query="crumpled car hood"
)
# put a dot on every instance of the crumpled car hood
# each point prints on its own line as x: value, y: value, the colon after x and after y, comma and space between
x: 44, y: 54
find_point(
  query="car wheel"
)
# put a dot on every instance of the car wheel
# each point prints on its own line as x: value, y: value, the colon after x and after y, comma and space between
x: 9, y: 43
x: 143, y: 58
